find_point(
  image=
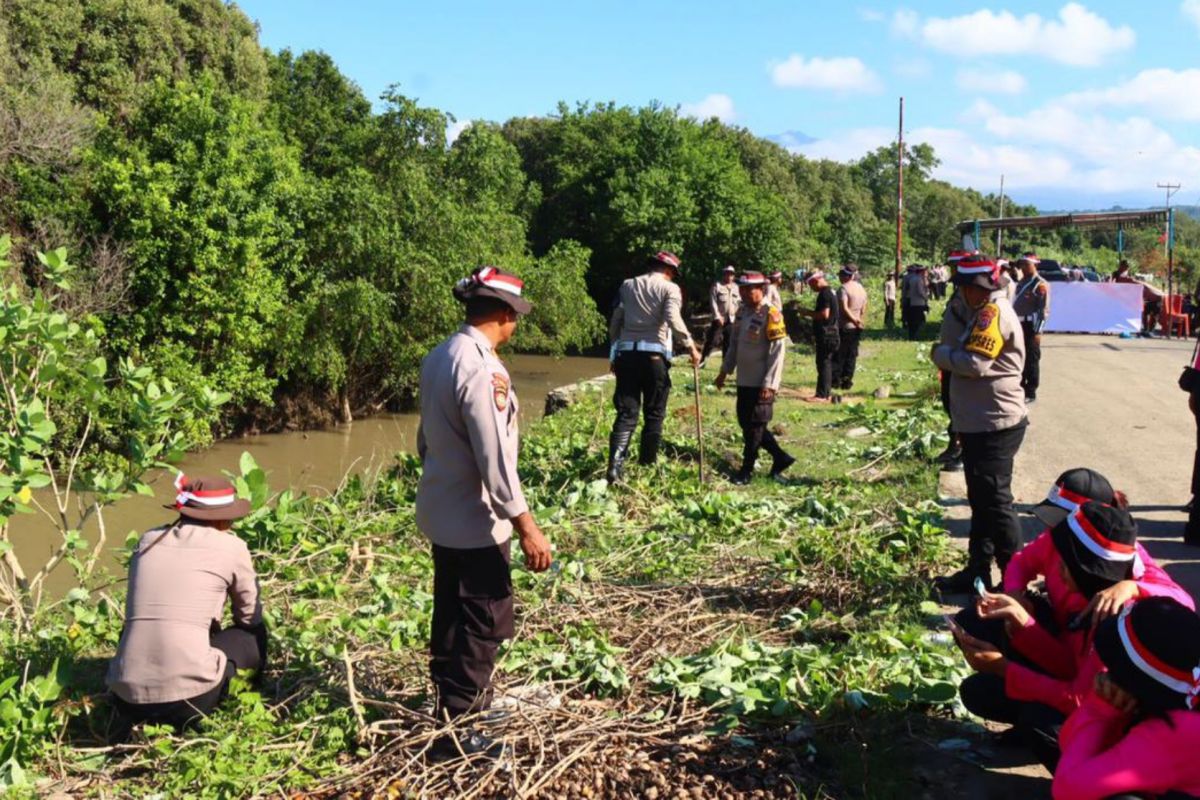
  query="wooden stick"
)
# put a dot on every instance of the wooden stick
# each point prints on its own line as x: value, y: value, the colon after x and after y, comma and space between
x: 699, y: 425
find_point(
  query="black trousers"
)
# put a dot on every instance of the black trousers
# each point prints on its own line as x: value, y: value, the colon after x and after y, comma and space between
x: 1031, y: 377
x: 889, y: 313
x: 754, y: 415
x: 472, y: 615
x: 244, y: 649
x: 826, y: 348
x: 1192, y: 531
x: 845, y: 361
x: 643, y: 382
x: 916, y: 321
x: 718, y: 332
x: 1037, y: 724
x: 988, y: 467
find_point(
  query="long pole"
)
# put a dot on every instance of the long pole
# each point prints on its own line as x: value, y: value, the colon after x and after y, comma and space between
x: 1171, y: 188
x: 1000, y: 231
x: 699, y: 425
x: 899, y: 190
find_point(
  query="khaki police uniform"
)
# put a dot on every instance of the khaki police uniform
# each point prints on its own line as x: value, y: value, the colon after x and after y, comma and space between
x: 756, y: 355
x: 773, y: 297
x: 724, y: 299
x: 645, y: 325
x: 467, y: 496
x: 852, y: 297
x: 984, y: 359
x: 1031, y: 302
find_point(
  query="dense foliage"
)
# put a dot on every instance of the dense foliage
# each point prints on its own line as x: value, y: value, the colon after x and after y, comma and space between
x: 250, y: 220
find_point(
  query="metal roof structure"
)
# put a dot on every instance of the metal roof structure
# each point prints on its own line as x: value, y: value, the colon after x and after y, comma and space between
x: 1097, y: 219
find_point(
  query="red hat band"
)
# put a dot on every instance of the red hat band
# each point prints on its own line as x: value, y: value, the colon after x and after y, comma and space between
x: 215, y: 498
x: 1173, y: 678
x: 1097, y: 542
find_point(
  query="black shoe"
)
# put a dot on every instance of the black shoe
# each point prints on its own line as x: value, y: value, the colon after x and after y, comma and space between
x: 961, y: 582
x: 465, y: 744
x: 779, y: 465
x: 952, y: 453
x: 741, y: 478
x: 954, y: 465
x: 1030, y: 400
x: 648, y: 452
x: 618, y: 447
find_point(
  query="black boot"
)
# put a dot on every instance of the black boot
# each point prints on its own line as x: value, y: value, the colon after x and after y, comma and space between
x: 618, y: 447
x: 961, y: 582
x: 648, y: 452
x: 1191, y: 531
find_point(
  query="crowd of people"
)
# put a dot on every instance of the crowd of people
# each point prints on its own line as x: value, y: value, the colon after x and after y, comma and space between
x: 1084, y: 645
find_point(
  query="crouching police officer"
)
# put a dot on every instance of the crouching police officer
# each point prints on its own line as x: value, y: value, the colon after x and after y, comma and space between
x: 647, y: 314
x: 469, y: 499
x: 987, y: 406
x: 756, y: 353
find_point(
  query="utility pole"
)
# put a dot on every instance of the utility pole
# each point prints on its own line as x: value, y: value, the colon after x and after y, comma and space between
x: 1000, y: 231
x: 899, y: 189
x: 1171, y: 188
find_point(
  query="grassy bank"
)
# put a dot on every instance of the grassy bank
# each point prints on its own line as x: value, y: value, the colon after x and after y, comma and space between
x: 728, y: 641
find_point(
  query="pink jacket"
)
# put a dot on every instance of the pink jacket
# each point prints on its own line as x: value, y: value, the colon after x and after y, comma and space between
x: 1062, y: 693
x: 1100, y: 758
x: 1040, y: 557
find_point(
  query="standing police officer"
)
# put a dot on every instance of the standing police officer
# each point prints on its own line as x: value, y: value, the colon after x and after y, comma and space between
x: 756, y: 353
x: 469, y: 499
x: 988, y: 410
x: 724, y: 299
x: 774, y: 295
x: 648, y: 312
x: 1032, y: 304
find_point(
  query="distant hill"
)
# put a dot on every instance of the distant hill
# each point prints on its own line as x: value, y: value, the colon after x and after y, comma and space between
x: 1191, y: 211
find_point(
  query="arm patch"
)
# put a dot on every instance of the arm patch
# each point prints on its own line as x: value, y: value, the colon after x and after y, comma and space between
x: 775, y: 327
x: 984, y: 337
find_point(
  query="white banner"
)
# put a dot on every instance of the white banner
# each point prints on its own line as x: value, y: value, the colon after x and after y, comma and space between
x: 1080, y: 307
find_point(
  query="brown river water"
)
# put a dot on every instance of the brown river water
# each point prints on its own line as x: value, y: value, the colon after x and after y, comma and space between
x: 307, y: 461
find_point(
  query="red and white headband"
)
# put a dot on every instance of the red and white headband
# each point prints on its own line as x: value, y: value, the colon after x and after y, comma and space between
x: 208, y: 498
x: 976, y: 266
x: 670, y: 259
x: 1098, y: 543
x: 493, y: 279
x: 1175, y: 679
x: 1065, y: 498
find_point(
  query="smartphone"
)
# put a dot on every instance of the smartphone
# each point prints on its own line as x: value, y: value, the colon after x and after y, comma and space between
x: 954, y: 626
x: 980, y: 588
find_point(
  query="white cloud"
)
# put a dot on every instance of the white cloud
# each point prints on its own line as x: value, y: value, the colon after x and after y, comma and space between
x: 714, y: 105
x: 845, y: 74
x: 1166, y: 93
x: 1077, y: 37
x: 912, y: 67
x: 847, y: 145
x: 991, y: 82
x: 1191, y: 10
x: 455, y: 129
x: 871, y: 15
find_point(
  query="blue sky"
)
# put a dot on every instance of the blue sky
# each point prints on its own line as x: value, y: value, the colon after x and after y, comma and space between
x: 1078, y: 104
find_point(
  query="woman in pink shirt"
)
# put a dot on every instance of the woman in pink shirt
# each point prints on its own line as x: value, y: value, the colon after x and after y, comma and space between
x: 1137, y: 733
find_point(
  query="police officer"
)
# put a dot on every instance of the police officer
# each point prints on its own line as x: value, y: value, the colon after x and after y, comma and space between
x: 852, y: 314
x: 724, y: 300
x: 954, y: 321
x: 756, y: 353
x: 774, y: 296
x: 987, y: 404
x: 915, y: 293
x: 469, y: 498
x: 1031, y: 301
x: 647, y: 314
x: 825, y: 325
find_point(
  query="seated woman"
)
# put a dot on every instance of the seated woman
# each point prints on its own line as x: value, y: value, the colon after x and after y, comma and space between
x: 174, y: 663
x: 1137, y: 732
x: 1039, y: 679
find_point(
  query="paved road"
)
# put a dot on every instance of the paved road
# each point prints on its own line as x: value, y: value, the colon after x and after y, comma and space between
x: 1111, y: 404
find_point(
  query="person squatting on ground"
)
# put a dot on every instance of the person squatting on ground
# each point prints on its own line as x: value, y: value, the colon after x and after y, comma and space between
x: 916, y: 300
x: 1137, y: 732
x: 889, y: 301
x: 987, y: 407
x: 825, y: 334
x: 648, y: 312
x: 724, y: 300
x: 852, y: 314
x: 469, y: 499
x: 1029, y: 672
x: 174, y: 662
x: 757, y: 355
x: 1031, y: 301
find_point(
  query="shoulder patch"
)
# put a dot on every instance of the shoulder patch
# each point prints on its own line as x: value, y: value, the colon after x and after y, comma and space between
x: 500, y: 390
x: 985, y: 338
x: 775, y: 327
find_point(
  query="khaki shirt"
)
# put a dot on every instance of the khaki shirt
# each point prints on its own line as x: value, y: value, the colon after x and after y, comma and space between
x: 773, y: 297
x: 179, y: 579
x: 724, y: 298
x: 1032, y: 298
x: 758, y: 347
x: 648, y: 310
x: 985, y: 356
x: 889, y: 291
x: 853, y: 296
x: 467, y: 440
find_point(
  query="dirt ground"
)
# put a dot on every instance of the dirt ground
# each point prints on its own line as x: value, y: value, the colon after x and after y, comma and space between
x: 1113, y: 405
